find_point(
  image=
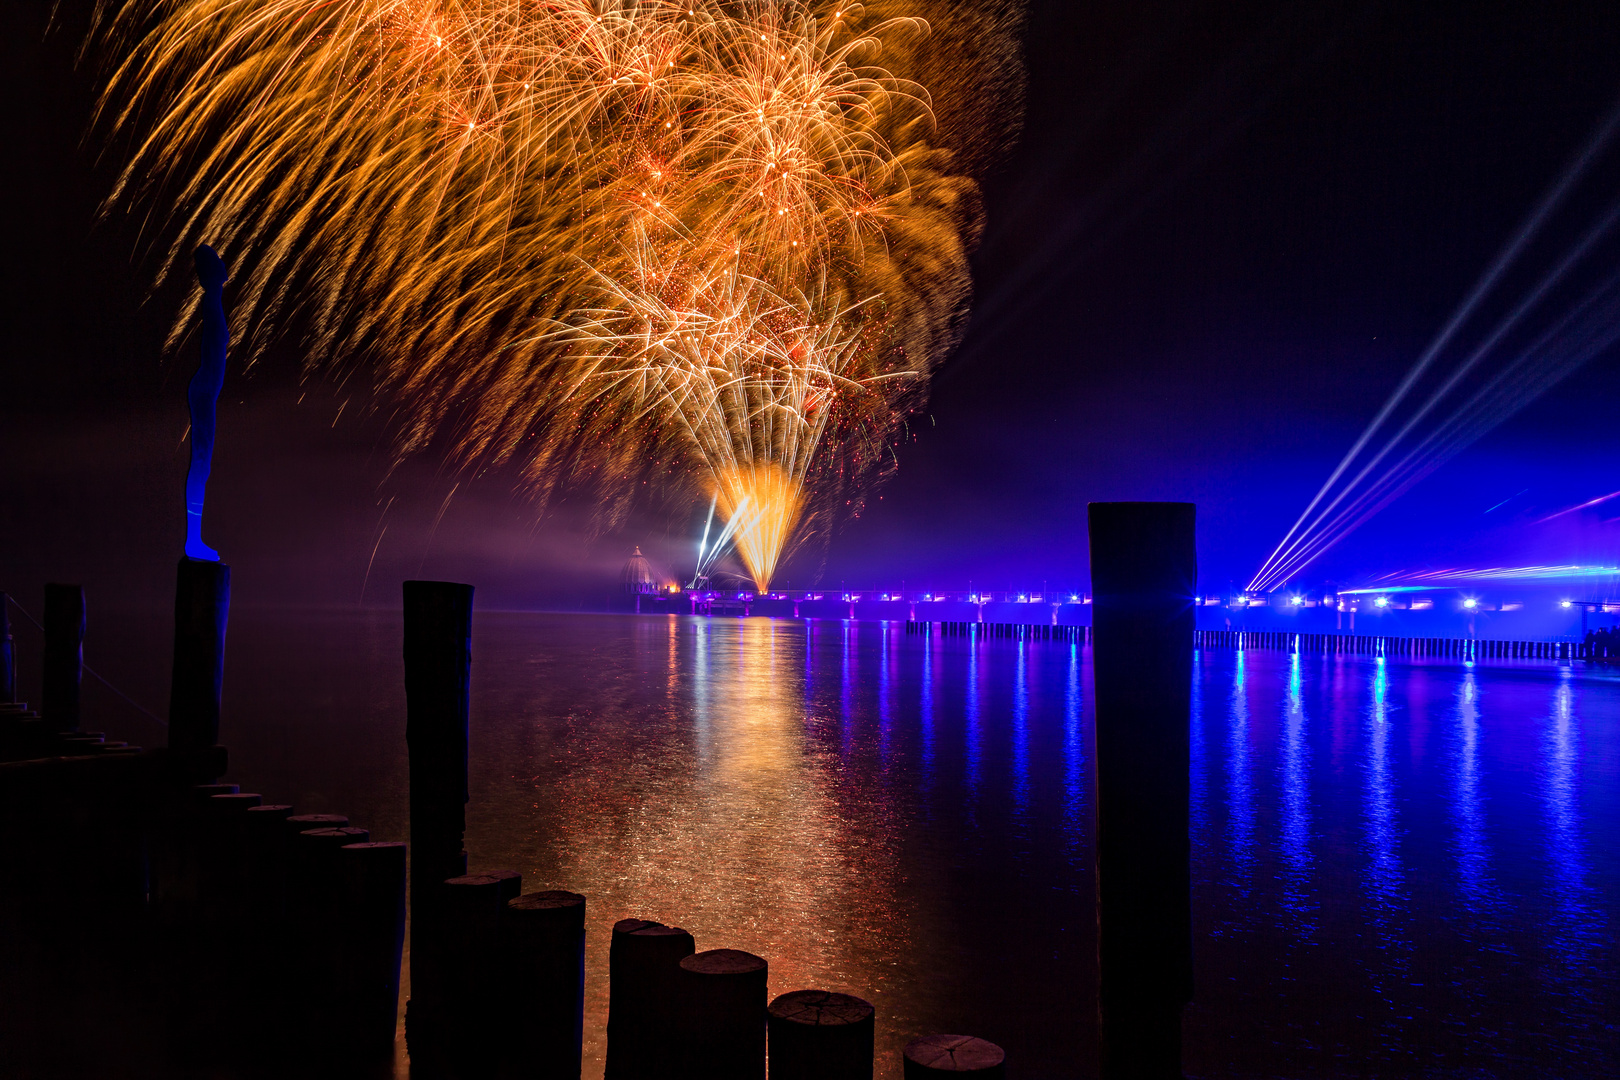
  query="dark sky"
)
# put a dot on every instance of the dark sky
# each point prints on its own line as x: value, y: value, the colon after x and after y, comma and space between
x: 1227, y: 232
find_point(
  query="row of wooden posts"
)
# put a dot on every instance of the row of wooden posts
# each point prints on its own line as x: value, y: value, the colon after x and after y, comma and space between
x: 271, y: 942
x: 1380, y: 645
x: 1019, y: 631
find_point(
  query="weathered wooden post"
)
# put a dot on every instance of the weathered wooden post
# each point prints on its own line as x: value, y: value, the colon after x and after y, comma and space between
x: 544, y: 942
x: 643, y: 964
x: 1144, y: 573
x: 722, y: 1010
x: 462, y: 1038
x: 8, y: 655
x: 266, y: 971
x: 438, y: 665
x: 63, y: 662
x: 318, y: 941
x: 202, y: 603
x: 819, y: 1035
x: 374, y: 874
x: 220, y: 1016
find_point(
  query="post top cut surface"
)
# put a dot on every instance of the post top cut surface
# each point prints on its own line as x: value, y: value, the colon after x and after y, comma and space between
x: 646, y: 928
x: 547, y: 900
x: 820, y: 1008
x: 723, y: 962
x: 474, y: 880
x: 955, y: 1053
x: 319, y: 821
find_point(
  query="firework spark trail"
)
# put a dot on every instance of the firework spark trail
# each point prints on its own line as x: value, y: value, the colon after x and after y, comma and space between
x: 716, y: 245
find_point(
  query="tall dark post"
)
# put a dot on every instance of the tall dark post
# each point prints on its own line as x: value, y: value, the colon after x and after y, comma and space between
x: 8, y: 657
x: 438, y: 665
x: 64, y: 656
x: 202, y: 607
x: 1144, y: 572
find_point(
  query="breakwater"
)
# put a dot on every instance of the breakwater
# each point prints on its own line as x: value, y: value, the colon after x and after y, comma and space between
x: 162, y: 922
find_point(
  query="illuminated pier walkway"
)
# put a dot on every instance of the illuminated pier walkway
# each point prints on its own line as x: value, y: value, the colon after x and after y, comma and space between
x: 1526, y: 616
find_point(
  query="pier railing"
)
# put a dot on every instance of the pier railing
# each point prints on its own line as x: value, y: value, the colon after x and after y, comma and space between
x: 1288, y: 641
x: 1384, y: 645
x: 1019, y: 631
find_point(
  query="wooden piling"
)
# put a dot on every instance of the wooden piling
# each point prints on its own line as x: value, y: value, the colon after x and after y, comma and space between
x: 266, y: 972
x: 202, y: 601
x: 318, y: 940
x: 819, y: 1035
x: 722, y: 995
x: 438, y: 663
x: 1144, y: 576
x: 63, y: 661
x: 315, y: 886
x: 8, y: 655
x: 543, y: 940
x: 643, y: 965
x: 220, y: 854
x: 956, y: 1055
x: 374, y: 883
x: 461, y: 1007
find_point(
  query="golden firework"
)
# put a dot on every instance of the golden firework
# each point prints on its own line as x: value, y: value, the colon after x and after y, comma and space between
x: 723, y: 240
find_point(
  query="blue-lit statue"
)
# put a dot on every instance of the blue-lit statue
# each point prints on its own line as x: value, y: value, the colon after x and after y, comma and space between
x: 201, y: 395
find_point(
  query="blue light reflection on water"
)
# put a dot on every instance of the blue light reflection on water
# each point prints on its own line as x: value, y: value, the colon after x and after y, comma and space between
x: 1074, y: 797
x: 972, y: 729
x: 1239, y: 789
x: 1296, y: 811
x: 1020, y: 728
x: 1575, y: 923
x: 926, y: 710
x: 1400, y: 869
x: 1468, y: 805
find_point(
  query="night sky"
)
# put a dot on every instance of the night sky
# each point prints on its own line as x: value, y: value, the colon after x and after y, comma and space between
x: 1226, y: 233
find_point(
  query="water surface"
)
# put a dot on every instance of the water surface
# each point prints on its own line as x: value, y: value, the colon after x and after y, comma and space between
x: 1400, y: 869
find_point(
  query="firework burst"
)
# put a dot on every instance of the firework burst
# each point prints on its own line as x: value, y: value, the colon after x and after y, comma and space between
x: 720, y: 242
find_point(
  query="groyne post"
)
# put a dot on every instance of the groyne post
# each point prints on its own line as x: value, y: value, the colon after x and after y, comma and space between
x: 8, y: 655
x: 202, y: 603
x: 819, y: 1035
x: 643, y: 962
x: 438, y: 665
x: 722, y: 1001
x: 374, y: 879
x: 1144, y: 575
x: 63, y: 662
x: 544, y: 942
x: 470, y: 969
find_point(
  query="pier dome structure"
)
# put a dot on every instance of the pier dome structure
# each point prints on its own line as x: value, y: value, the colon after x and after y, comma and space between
x: 638, y: 576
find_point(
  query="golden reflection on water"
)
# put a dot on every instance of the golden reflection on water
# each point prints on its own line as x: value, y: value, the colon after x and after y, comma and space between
x: 723, y: 817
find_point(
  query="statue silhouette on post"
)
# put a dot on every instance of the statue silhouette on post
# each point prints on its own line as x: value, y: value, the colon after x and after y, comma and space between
x: 202, y: 393
x: 202, y: 597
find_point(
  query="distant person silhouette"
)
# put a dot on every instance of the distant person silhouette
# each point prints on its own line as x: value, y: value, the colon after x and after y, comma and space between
x: 201, y: 395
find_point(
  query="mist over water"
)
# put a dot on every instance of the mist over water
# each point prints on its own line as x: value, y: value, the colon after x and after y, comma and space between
x: 1400, y: 868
